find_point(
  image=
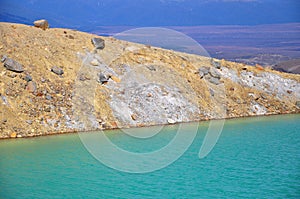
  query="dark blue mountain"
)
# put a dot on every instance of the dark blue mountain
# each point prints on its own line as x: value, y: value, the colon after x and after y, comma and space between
x: 84, y: 14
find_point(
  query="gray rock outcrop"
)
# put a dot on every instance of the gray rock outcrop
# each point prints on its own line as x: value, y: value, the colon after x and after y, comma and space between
x: 210, y: 74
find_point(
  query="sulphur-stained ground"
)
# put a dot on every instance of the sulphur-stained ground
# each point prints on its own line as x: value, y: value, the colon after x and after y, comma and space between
x: 67, y: 85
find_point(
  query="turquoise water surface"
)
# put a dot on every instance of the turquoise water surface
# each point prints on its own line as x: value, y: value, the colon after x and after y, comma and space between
x: 253, y: 158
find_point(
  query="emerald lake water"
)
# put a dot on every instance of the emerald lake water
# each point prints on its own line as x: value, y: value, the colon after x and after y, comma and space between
x: 253, y: 158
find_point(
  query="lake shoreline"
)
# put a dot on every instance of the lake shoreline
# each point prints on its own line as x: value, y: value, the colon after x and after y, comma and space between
x: 145, y: 126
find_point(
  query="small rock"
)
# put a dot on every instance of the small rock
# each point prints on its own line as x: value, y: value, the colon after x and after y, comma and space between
x: 57, y: 70
x: 204, y: 70
x: 214, y: 73
x: 4, y: 99
x: 48, y: 97
x: 30, y: 134
x: 29, y: 122
x: 3, y: 58
x: 251, y: 95
x: 56, y: 125
x: 214, y: 80
x: 113, y: 125
x: 263, y: 96
x: 171, y: 121
x: 98, y: 43
x: 31, y: 87
x: 104, y: 125
x: 43, y: 24
x: 83, y: 77
x: 298, y: 104
x: 13, y: 65
x: 102, y: 78
x: 152, y: 68
x: 19, y: 136
x: 71, y: 37
x: 201, y: 74
x: 13, y: 135
x: 12, y: 75
x: 95, y: 62
x: 212, y: 93
x: 133, y: 117
x: 28, y: 78
x: 216, y: 64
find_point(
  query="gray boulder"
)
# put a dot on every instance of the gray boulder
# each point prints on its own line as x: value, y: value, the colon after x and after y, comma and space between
x: 98, y: 43
x: 57, y: 70
x: 13, y: 65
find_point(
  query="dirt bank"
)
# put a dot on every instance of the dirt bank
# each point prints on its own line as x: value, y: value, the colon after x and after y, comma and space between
x: 66, y: 85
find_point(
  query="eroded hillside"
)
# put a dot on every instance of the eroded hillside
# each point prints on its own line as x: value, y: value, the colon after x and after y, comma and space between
x: 67, y: 85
